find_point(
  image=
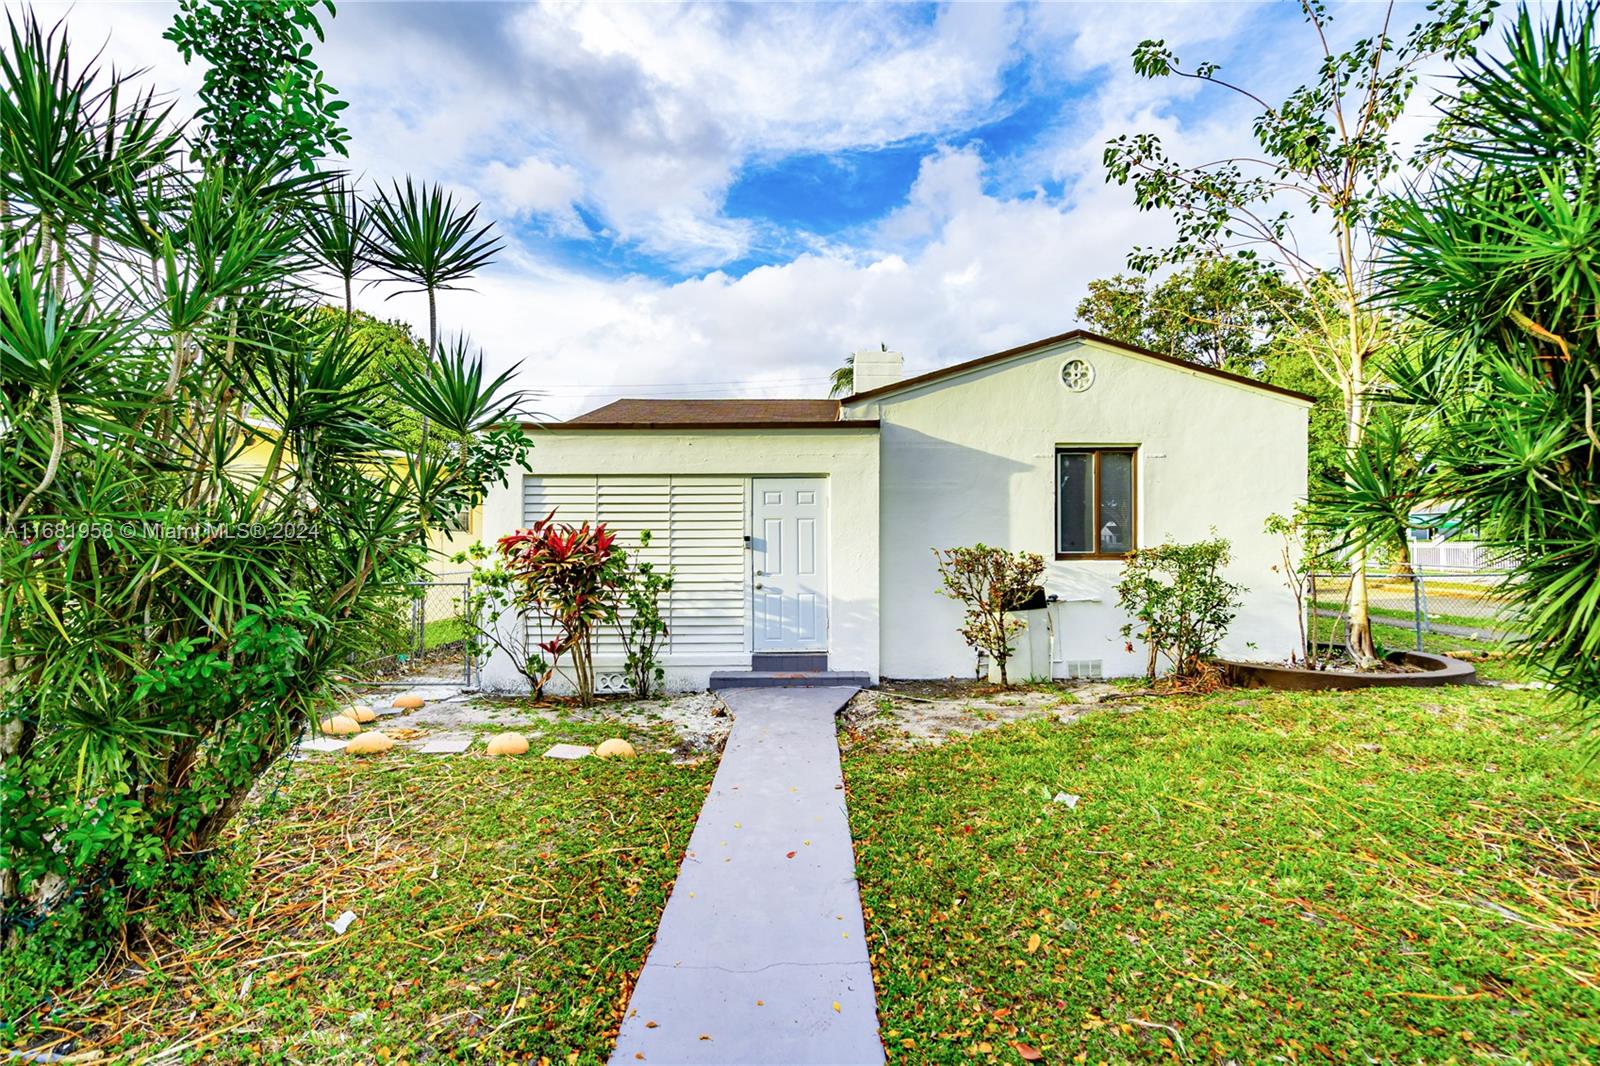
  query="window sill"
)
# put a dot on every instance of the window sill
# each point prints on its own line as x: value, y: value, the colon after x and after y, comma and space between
x: 1066, y: 557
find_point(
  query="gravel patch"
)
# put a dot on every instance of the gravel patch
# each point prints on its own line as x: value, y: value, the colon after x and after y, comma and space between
x: 700, y: 719
x: 959, y: 709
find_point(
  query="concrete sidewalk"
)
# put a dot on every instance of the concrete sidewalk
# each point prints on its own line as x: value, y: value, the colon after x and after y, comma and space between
x: 761, y: 956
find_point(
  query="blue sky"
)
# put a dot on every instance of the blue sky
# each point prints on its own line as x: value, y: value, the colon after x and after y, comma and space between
x: 728, y: 199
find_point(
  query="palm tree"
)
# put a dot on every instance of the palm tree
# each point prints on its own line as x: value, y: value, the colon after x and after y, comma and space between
x: 843, y: 381
x: 424, y: 239
x: 454, y: 395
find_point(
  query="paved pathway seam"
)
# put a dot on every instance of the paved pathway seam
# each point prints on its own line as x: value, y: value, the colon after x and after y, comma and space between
x: 761, y: 955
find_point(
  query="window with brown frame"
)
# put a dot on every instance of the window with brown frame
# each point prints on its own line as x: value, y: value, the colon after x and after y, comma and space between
x: 1094, y: 503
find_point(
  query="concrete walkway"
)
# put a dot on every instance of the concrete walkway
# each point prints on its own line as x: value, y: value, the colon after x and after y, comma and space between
x: 761, y: 956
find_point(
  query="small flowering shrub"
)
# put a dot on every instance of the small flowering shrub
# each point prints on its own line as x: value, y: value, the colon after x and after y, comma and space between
x: 572, y: 577
x: 989, y: 582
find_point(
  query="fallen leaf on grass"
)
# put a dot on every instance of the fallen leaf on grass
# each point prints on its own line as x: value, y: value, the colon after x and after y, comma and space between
x: 1028, y: 1052
x: 1033, y: 943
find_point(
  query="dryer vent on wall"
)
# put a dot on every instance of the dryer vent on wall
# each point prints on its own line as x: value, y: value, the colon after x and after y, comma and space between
x: 1084, y: 668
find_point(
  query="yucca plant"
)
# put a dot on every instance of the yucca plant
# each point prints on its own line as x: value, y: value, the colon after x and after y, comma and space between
x: 336, y: 230
x: 206, y: 509
x: 428, y: 242
x: 455, y: 396
x: 1500, y: 262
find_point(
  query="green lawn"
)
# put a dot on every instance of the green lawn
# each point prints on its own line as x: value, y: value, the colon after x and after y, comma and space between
x: 504, y: 905
x: 1392, y: 876
x: 1495, y: 668
x: 442, y: 631
x: 1404, y: 616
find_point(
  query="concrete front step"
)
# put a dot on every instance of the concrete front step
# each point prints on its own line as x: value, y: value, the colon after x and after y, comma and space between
x: 726, y: 679
x: 789, y: 661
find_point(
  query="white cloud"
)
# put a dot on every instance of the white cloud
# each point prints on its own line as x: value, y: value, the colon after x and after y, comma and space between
x: 979, y: 273
x: 535, y: 187
x: 658, y: 106
x: 645, y: 114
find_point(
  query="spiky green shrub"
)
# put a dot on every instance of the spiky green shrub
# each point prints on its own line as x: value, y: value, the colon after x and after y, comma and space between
x: 205, y: 512
x: 1500, y: 262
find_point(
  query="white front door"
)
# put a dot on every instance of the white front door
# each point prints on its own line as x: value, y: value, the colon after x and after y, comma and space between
x: 789, y: 545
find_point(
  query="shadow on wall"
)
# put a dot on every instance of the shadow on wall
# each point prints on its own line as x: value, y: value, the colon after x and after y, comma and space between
x: 939, y: 494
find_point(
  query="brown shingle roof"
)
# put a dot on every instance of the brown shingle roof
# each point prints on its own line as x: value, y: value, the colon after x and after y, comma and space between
x: 701, y: 414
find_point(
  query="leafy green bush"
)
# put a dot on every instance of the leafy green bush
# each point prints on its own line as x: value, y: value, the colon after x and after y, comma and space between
x: 491, y: 620
x: 1179, y: 602
x: 642, y: 625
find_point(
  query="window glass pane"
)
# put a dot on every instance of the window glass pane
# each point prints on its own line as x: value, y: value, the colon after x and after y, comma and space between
x: 1116, y: 503
x: 1074, y: 501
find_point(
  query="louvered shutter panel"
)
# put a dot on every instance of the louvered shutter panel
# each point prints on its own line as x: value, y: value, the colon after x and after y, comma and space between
x: 697, y: 529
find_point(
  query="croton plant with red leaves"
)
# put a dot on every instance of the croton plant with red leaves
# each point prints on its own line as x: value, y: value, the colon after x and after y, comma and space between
x: 573, y: 576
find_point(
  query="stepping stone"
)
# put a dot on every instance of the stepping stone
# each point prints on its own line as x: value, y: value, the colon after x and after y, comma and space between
x: 568, y: 751
x: 447, y: 744
x: 322, y: 744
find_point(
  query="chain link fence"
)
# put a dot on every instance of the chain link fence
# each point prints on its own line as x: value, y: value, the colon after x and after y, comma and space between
x: 427, y: 629
x: 1420, y: 609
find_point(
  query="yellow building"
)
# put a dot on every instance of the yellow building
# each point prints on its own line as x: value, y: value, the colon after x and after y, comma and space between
x: 443, y: 542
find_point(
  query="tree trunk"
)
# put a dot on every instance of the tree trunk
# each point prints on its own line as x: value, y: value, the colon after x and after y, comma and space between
x: 1362, y: 646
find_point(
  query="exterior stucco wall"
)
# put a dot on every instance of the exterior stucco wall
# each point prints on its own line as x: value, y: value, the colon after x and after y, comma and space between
x: 847, y: 457
x: 971, y: 458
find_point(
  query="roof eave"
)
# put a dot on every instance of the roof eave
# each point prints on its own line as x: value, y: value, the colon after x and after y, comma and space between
x: 592, y: 427
x: 1062, y: 338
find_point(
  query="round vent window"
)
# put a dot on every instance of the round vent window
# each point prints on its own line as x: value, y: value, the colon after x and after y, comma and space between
x: 1077, y: 375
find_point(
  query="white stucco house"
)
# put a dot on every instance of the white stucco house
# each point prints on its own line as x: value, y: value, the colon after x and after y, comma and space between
x: 806, y: 526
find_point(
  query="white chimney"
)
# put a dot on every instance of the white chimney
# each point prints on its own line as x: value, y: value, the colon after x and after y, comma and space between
x: 876, y: 368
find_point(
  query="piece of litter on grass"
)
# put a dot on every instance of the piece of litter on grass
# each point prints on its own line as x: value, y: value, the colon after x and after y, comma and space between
x: 342, y: 923
x: 1066, y: 799
x: 567, y: 751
